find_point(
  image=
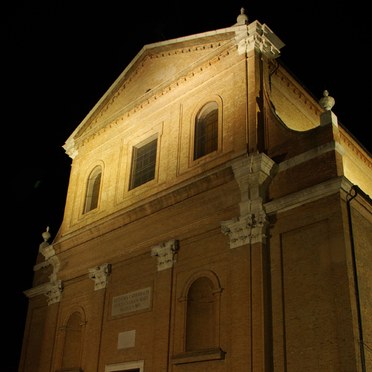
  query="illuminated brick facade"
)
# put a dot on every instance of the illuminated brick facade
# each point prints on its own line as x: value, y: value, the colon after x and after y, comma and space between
x: 248, y: 255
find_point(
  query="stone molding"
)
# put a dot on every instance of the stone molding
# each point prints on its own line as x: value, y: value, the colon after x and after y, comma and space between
x: 260, y: 37
x: 52, y: 291
x: 308, y: 195
x: 295, y: 88
x: 311, y: 154
x: 41, y: 289
x: 361, y: 154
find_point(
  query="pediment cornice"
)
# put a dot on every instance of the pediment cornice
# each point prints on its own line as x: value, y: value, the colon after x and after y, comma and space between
x: 355, y: 148
x: 296, y: 89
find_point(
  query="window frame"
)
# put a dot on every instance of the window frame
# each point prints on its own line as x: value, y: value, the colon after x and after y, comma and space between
x: 206, y: 131
x: 92, y: 190
x: 183, y: 355
x: 193, y: 122
x: 133, y: 163
x: 64, y: 337
x: 195, y: 308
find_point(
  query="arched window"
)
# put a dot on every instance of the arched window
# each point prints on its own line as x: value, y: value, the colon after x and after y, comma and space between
x: 73, y: 341
x: 93, y: 189
x: 206, y: 130
x: 197, y: 330
x: 201, y: 315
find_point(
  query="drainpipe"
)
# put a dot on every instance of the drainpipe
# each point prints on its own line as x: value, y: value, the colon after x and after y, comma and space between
x: 354, y: 191
x: 174, y: 248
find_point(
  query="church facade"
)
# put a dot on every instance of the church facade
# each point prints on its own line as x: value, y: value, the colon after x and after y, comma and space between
x: 217, y: 219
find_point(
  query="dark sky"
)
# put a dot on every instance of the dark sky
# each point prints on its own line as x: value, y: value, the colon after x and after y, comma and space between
x: 60, y: 57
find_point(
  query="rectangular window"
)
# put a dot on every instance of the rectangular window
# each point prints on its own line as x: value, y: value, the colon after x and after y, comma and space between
x: 143, y: 163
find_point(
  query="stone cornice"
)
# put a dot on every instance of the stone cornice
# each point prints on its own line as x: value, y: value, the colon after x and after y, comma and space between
x: 148, y: 205
x: 37, y: 291
x: 52, y: 290
x: 311, y: 154
x: 259, y: 37
x: 360, y: 153
x: 308, y: 195
x: 297, y: 90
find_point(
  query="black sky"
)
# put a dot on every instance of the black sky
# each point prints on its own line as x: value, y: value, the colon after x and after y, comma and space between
x: 60, y: 57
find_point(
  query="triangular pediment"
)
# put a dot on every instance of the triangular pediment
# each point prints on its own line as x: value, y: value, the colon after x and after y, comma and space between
x: 154, y: 68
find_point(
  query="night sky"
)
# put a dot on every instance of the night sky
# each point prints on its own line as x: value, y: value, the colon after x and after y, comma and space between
x: 60, y: 57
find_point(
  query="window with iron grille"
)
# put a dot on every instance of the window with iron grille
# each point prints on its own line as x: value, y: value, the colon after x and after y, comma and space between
x: 143, y: 163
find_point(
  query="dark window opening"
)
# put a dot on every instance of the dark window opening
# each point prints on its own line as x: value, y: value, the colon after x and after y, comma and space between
x: 73, y: 341
x: 93, y: 189
x: 206, y: 130
x: 143, y: 164
x: 201, y: 315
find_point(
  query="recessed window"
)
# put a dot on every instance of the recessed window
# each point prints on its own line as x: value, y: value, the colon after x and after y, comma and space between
x: 93, y: 189
x: 73, y: 342
x: 143, y: 163
x: 198, y: 329
x: 206, y: 130
x: 201, y: 322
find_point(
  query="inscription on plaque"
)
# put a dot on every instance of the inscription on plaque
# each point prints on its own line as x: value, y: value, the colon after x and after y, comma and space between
x: 131, y: 301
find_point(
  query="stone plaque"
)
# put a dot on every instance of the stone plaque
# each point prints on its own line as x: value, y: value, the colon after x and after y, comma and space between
x: 126, y: 339
x: 132, y: 301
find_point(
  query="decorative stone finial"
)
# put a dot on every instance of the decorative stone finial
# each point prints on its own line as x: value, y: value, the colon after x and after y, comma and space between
x: 327, y: 102
x: 242, y: 18
x: 46, y: 234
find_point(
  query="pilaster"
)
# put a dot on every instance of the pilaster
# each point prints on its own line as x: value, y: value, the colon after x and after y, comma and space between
x: 253, y: 174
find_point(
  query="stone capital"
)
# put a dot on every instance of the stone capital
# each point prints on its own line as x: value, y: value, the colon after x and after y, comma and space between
x: 165, y: 253
x: 248, y: 229
x: 54, y: 292
x: 253, y: 173
x: 99, y: 275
